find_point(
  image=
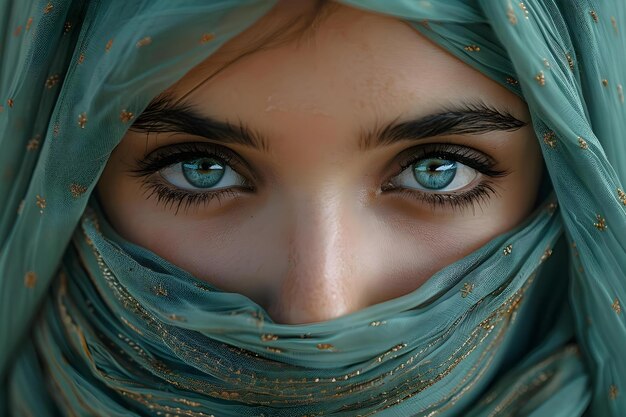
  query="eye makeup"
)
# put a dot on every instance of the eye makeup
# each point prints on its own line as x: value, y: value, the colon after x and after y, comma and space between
x: 152, y: 168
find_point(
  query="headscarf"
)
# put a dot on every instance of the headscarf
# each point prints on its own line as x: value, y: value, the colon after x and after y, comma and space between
x: 531, y: 324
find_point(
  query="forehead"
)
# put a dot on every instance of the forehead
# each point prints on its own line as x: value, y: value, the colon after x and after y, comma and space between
x: 352, y: 65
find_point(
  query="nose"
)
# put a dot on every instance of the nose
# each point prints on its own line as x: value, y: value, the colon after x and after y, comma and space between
x: 321, y: 279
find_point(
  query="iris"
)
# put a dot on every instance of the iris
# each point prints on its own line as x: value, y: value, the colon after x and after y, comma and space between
x: 434, y: 173
x: 203, y: 172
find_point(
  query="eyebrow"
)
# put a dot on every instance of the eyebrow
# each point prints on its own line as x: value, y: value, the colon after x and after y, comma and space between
x: 164, y: 114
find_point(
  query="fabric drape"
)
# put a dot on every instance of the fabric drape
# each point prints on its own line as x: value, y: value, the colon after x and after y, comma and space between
x: 90, y: 324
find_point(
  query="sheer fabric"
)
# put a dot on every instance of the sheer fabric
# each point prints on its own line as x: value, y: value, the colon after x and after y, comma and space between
x: 90, y: 324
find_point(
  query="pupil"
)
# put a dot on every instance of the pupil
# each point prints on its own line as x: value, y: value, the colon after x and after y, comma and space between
x: 434, y: 173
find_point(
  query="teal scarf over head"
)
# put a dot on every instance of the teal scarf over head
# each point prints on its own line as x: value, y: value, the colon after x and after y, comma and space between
x: 531, y: 324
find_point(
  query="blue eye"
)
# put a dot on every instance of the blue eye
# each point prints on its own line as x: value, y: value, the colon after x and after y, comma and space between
x: 201, y: 174
x: 435, y: 174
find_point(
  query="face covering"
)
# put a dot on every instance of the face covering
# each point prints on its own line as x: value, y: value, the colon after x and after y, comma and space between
x: 531, y: 324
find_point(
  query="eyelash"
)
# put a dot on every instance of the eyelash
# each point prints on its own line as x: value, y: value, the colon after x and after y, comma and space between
x: 177, y: 198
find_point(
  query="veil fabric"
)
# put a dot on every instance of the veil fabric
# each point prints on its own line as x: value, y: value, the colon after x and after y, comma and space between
x: 531, y: 324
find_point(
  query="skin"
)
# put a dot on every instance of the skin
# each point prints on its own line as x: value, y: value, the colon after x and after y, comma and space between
x: 318, y: 238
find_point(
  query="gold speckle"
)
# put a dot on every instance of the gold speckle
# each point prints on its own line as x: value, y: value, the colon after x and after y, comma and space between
x: 546, y: 255
x: 206, y: 37
x: 613, y: 392
x: 268, y: 337
x: 620, y: 92
x: 621, y: 195
x: 616, y: 306
x: 600, y: 224
x: 510, y: 13
x: 467, y: 289
x: 524, y: 9
x: 55, y: 130
x: 144, y: 42
x: 33, y: 144
x: 570, y: 61
x: 82, y: 120
x: 325, y: 346
x: 108, y: 46
x: 30, y: 279
x: 126, y: 116
x: 176, y: 317
x: 17, y: 31
x: 160, y: 290
x: 472, y: 48
x: 10, y: 102
x: 48, y: 8
x: 614, y: 24
x: 549, y: 139
x: 81, y: 58
x: 77, y: 190
x: 605, y: 82
x: 540, y: 78
x: 52, y: 80
x: 582, y: 143
x: 20, y: 207
x: 552, y: 207
x: 594, y: 15
x: 29, y: 23
x: 273, y: 349
x: 512, y: 81
x: 67, y: 27
x: 41, y: 203
x: 507, y: 250
x: 546, y: 63
x: 377, y: 323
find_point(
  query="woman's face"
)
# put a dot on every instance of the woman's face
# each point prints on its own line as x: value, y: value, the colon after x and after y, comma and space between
x: 324, y: 175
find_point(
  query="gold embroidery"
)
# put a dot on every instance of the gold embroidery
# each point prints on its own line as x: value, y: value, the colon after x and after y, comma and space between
x: 77, y: 190
x: 126, y: 116
x: 616, y: 306
x: 48, y: 8
x: 160, y: 290
x: 601, y: 223
x: 52, y: 80
x: 582, y: 143
x: 55, y: 129
x: 176, y: 317
x: 552, y: 207
x: 570, y: 61
x: 613, y: 392
x: 377, y: 323
x: 621, y: 195
x: 511, y: 81
x: 30, y: 279
x: 29, y: 22
x: 82, y: 120
x: 549, y: 139
x: 546, y: 255
x: 620, y: 93
x: 546, y: 63
x: 81, y: 58
x: 268, y: 337
x: 67, y: 27
x: 540, y: 78
x: 108, y: 46
x: 325, y: 346
x: 605, y: 82
x: 472, y: 48
x: 594, y: 15
x: 467, y: 289
x: 144, y: 42
x: 10, y: 102
x: 507, y: 250
x: 524, y: 9
x: 273, y: 349
x: 41, y: 203
x: 33, y: 144
x: 614, y: 24
x: 207, y: 37
x: 510, y: 13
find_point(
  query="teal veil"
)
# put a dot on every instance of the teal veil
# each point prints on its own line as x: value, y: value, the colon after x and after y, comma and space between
x: 531, y: 324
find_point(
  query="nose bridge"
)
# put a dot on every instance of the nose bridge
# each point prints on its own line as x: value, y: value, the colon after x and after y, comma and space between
x: 318, y: 284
